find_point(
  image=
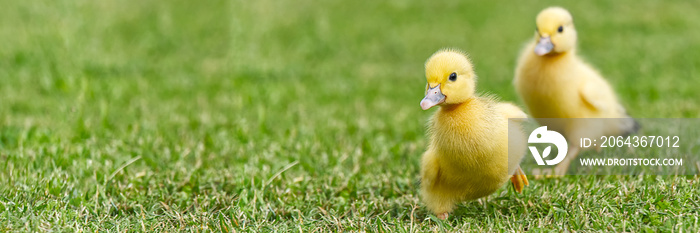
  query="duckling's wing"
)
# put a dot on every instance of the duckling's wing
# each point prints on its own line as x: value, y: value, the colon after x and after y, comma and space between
x: 595, y: 95
x: 511, y: 111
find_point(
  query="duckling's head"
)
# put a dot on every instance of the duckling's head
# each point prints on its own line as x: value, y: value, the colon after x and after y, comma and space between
x: 555, y: 32
x: 451, y: 79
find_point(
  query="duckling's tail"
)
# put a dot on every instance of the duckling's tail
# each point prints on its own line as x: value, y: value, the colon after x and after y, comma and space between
x: 519, y: 180
x: 632, y: 126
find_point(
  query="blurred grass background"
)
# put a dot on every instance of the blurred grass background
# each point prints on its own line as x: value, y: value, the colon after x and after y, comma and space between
x: 301, y: 115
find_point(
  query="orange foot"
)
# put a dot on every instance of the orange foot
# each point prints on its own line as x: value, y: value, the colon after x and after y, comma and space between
x: 519, y: 180
x: 443, y: 216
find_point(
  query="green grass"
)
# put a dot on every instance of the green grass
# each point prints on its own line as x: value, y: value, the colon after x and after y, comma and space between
x: 302, y: 115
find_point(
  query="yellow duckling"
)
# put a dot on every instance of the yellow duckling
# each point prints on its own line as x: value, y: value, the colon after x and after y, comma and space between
x: 555, y: 83
x: 468, y: 155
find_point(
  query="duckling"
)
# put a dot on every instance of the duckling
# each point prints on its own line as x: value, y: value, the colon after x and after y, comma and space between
x: 554, y: 82
x: 469, y: 155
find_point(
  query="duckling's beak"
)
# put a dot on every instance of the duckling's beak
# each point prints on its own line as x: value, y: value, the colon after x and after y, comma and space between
x: 432, y: 97
x: 544, y: 46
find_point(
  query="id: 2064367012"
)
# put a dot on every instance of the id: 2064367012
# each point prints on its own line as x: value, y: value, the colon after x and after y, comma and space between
x: 632, y: 141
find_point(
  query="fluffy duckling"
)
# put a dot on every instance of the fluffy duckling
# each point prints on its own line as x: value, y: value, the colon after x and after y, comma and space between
x: 555, y: 83
x: 468, y: 155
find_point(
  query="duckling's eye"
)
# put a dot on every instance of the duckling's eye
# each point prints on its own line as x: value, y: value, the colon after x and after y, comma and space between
x: 453, y: 77
x: 560, y: 29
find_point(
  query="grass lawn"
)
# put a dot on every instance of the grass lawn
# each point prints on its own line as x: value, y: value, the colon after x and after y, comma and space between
x: 303, y: 115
